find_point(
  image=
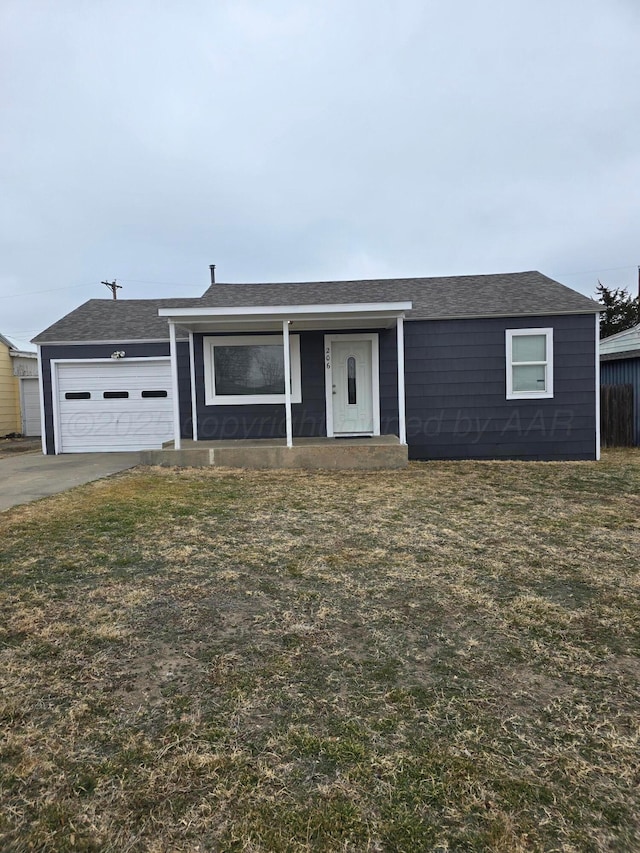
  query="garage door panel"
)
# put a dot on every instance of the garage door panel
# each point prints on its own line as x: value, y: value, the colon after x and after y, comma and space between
x: 132, y: 422
x: 31, y: 424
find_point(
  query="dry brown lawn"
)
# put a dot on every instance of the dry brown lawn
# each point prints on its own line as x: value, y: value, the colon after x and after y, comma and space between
x: 445, y: 658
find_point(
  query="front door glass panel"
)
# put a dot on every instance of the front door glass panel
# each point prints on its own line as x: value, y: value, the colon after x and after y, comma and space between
x: 351, y: 381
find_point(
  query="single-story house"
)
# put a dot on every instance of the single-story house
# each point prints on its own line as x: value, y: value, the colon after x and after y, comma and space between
x: 480, y: 366
x: 620, y: 365
x: 19, y: 391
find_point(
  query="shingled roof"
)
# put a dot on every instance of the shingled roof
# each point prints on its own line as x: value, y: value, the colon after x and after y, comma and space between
x: 114, y: 320
x: 451, y: 297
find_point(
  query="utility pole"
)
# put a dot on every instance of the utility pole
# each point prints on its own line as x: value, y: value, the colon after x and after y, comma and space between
x: 113, y: 287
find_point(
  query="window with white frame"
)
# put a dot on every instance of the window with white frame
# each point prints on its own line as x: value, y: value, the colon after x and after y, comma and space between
x: 245, y: 369
x: 529, y: 364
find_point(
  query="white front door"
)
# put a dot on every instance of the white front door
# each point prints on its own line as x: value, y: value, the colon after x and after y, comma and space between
x: 352, y: 396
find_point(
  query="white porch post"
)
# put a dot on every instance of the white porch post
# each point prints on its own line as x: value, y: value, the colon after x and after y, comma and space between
x: 192, y: 370
x: 287, y: 381
x: 173, y: 349
x: 402, y: 414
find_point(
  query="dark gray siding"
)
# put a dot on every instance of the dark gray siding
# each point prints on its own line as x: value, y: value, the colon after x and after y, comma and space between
x: 456, y: 395
x: 388, y: 382
x: 309, y: 417
x: 267, y: 420
x: 133, y: 350
x: 455, y: 388
x: 626, y: 371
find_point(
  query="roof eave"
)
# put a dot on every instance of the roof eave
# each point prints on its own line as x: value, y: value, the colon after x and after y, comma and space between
x: 498, y: 315
x: 287, y: 311
x: 302, y: 317
x: 105, y: 341
x: 16, y: 353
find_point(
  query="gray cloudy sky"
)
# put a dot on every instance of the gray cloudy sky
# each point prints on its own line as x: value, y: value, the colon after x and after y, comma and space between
x: 311, y: 139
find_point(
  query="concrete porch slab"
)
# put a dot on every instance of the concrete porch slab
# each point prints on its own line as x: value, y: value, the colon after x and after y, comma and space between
x: 375, y: 453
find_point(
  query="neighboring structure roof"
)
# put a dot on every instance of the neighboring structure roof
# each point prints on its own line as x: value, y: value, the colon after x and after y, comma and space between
x: 13, y: 351
x: 619, y: 356
x: 452, y: 297
x: 18, y: 353
x: 620, y: 345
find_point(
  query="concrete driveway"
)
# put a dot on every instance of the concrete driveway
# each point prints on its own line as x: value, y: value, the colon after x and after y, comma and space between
x: 25, y: 477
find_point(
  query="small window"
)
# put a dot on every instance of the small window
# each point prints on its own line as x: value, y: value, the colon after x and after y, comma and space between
x: 77, y: 395
x: 351, y: 380
x: 529, y: 364
x: 115, y: 395
x: 154, y: 394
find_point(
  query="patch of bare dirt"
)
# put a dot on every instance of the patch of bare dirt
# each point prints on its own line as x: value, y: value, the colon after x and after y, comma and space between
x: 21, y: 444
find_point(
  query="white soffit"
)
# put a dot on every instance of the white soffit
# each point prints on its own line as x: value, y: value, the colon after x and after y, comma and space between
x: 301, y: 316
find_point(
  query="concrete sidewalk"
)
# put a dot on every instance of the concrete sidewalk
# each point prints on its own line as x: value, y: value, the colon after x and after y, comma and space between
x: 25, y: 477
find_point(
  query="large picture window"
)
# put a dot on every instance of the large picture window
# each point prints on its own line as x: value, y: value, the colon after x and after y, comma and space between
x: 243, y: 369
x: 529, y: 363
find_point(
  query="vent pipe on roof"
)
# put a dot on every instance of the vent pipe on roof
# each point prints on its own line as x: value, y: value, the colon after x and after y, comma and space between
x: 212, y: 268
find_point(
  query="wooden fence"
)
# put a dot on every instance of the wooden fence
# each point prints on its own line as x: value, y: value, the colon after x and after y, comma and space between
x: 616, y: 416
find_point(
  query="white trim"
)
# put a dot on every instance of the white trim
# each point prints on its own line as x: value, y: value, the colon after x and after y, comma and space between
x: 209, y: 343
x: 289, y: 310
x: 194, y: 407
x: 42, y: 417
x: 55, y: 409
x: 597, y: 383
x: 402, y: 405
x: 124, y: 360
x: 258, y: 324
x: 287, y: 380
x: 173, y: 349
x: 375, y: 382
x: 375, y: 379
x: 548, y: 364
x: 57, y: 429
x: 328, y: 385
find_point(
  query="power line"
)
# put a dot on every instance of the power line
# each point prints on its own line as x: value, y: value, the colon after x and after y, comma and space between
x: 600, y: 270
x: 169, y: 283
x: 77, y: 286
x: 50, y: 290
x: 196, y: 286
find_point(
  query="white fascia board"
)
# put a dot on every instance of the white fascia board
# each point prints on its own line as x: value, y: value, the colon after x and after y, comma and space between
x: 284, y: 311
x: 16, y: 353
x: 252, y: 321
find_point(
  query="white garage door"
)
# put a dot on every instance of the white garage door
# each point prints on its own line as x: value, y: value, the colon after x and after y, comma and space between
x: 31, y: 406
x: 114, y: 405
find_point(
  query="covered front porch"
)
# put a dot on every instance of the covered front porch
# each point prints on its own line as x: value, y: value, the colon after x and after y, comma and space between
x: 363, y: 453
x: 297, y: 386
